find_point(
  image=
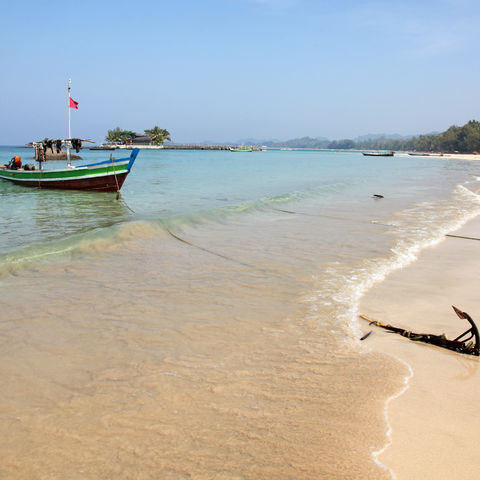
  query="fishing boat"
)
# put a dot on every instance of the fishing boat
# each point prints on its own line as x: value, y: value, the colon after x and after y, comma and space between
x: 378, y: 154
x: 105, y: 176
x: 242, y: 149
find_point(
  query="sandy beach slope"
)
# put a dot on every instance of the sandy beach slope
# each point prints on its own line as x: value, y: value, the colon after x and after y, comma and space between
x: 435, y: 423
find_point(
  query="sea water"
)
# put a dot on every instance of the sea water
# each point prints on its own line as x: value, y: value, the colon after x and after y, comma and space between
x: 204, y: 325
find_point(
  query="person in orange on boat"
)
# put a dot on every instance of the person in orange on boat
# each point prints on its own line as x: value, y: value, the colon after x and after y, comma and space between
x: 15, y: 163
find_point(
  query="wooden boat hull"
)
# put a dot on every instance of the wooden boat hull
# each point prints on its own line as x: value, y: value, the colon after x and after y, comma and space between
x: 98, y: 184
x: 107, y: 176
x: 378, y: 154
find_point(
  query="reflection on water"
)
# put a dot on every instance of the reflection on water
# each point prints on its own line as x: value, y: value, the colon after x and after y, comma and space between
x: 77, y: 212
x: 32, y: 216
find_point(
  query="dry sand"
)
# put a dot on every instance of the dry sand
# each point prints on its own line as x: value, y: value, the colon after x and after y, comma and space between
x: 435, y: 423
x: 457, y: 156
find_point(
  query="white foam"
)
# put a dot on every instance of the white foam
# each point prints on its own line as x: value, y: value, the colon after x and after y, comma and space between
x: 405, y: 252
x: 418, y: 228
x: 389, y: 442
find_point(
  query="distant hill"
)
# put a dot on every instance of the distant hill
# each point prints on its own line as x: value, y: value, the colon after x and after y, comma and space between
x: 388, y: 136
x: 465, y: 139
x: 321, y: 142
x: 295, y: 142
x: 256, y: 141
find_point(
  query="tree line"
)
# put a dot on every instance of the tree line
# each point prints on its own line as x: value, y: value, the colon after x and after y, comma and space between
x: 157, y: 134
x: 465, y: 139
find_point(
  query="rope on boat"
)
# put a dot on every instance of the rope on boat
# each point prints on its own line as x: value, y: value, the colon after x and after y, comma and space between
x: 460, y: 236
x: 374, y: 222
x: 233, y: 260
x: 120, y: 197
x: 307, y: 214
x: 180, y: 239
x: 115, y: 175
x: 332, y: 217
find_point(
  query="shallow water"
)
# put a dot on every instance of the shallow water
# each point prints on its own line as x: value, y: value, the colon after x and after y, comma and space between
x: 205, y: 325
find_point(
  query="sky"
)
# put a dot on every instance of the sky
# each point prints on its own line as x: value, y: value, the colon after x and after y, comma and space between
x: 223, y: 70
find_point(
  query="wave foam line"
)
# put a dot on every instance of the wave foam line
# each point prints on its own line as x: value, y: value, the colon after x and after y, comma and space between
x: 403, y: 255
x: 389, y: 442
x: 77, y: 244
x: 402, y: 260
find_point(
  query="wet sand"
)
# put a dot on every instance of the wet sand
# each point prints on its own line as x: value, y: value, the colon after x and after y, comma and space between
x: 157, y: 359
x: 435, y: 421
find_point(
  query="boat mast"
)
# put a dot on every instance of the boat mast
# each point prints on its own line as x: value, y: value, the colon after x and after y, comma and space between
x: 69, y: 133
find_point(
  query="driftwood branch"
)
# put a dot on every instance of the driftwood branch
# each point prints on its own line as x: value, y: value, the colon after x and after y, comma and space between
x: 467, y: 342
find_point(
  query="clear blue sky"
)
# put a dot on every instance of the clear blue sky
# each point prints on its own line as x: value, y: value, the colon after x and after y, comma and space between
x: 223, y: 70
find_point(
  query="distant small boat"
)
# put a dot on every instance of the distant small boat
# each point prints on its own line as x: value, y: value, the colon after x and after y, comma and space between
x: 378, y: 154
x: 419, y: 154
x: 241, y: 149
x: 106, y: 176
x: 104, y: 147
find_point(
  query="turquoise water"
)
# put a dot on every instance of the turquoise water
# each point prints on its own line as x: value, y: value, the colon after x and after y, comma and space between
x: 192, y: 184
x: 205, y: 324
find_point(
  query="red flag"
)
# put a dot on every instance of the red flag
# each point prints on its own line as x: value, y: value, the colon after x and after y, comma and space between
x: 73, y: 103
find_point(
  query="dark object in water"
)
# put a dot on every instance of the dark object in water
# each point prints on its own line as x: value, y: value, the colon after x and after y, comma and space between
x: 367, y: 335
x: 462, y: 344
x: 376, y: 195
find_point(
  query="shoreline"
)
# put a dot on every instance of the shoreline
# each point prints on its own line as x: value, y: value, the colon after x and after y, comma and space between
x: 193, y: 146
x: 377, y: 453
x: 456, y: 156
x: 432, y: 421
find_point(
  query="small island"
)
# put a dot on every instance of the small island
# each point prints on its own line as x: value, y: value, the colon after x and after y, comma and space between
x: 153, y: 137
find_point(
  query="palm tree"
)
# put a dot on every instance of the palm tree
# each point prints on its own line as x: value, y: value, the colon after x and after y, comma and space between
x: 114, y: 135
x: 158, y: 135
x: 119, y: 135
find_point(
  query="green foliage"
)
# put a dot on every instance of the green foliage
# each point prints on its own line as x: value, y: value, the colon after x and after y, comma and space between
x: 305, y: 142
x: 119, y: 135
x: 464, y: 139
x: 158, y: 135
x: 342, y: 144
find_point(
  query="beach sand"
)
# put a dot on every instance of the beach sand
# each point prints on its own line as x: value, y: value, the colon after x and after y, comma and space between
x: 435, y: 421
x: 456, y: 156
